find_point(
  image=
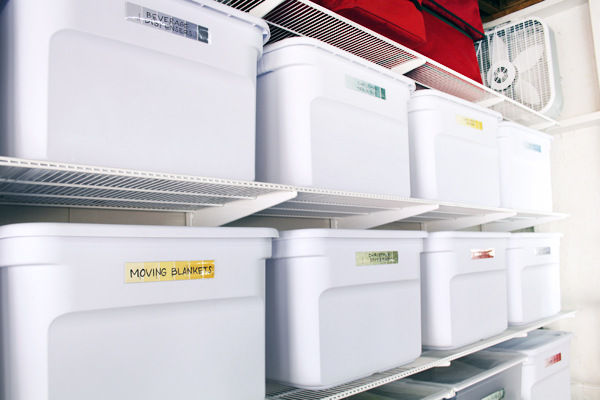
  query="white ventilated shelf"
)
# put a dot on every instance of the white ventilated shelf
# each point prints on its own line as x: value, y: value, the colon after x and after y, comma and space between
x: 215, y: 202
x: 428, y: 359
x: 290, y: 18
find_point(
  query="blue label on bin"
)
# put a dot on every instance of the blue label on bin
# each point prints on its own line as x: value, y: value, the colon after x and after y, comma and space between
x: 533, y: 147
x: 365, y: 87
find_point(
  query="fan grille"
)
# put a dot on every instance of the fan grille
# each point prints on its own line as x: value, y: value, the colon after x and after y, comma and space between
x: 519, y: 39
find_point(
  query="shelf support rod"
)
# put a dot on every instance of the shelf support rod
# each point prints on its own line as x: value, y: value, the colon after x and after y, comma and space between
x: 521, y: 224
x: 229, y: 212
x: 409, y: 66
x: 264, y: 8
x: 466, y: 222
x: 383, y: 217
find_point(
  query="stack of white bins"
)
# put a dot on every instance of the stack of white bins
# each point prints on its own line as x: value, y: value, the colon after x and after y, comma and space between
x: 158, y: 85
x: 546, y: 374
x: 463, y: 288
x: 341, y: 305
x: 127, y: 312
x: 533, y: 272
x: 485, y: 375
x: 454, y: 149
x: 524, y: 156
x: 332, y: 120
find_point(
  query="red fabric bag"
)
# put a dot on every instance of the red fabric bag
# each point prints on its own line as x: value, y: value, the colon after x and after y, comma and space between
x: 462, y: 13
x: 399, y: 20
x: 450, y: 47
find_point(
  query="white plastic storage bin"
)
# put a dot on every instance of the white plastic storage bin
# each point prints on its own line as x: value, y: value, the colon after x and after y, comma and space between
x: 546, y: 374
x: 403, y: 390
x: 485, y: 375
x: 453, y: 149
x: 332, y: 120
x: 524, y: 156
x: 341, y: 305
x: 102, y: 312
x: 463, y: 288
x: 158, y: 85
x: 533, y: 274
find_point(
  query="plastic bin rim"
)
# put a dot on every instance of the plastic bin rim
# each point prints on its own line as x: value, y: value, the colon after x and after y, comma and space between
x: 350, y: 233
x: 510, y: 124
x: 536, y: 235
x: 471, y: 235
x: 130, y: 231
x: 231, y: 12
x: 310, y: 42
x: 454, y: 99
x: 552, y: 341
x: 437, y: 391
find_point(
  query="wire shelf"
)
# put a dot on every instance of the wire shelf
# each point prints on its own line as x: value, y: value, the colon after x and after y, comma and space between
x: 289, y: 18
x: 429, y: 359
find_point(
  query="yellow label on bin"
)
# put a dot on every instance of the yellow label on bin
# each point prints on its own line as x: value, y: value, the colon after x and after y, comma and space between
x: 471, y: 123
x: 162, y: 271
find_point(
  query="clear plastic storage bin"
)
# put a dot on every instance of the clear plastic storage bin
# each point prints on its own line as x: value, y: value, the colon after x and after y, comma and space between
x: 332, y: 120
x: 546, y: 373
x: 156, y: 85
x: 102, y: 312
x: 403, y: 390
x: 533, y: 276
x: 341, y: 305
x: 485, y: 375
x: 524, y: 156
x: 463, y: 288
x: 453, y: 149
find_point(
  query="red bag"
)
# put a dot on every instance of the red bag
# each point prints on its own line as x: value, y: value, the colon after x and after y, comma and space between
x: 450, y: 47
x: 462, y: 13
x: 399, y: 20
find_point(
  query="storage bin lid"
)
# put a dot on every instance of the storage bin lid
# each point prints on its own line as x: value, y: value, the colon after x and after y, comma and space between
x: 350, y: 233
x: 231, y: 12
x: 472, y: 235
x: 536, y: 342
x: 436, y: 93
x: 403, y: 390
x: 129, y: 231
x: 470, y: 369
x: 537, y: 235
x: 505, y: 127
x: 334, y: 51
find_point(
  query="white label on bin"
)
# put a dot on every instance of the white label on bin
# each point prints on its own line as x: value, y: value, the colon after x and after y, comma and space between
x: 479, y: 254
x: 365, y: 87
x: 496, y: 395
x: 161, y: 271
x: 470, y: 122
x: 533, y: 147
x: 165, y: 22
x: 376, y: 258
x: 542, y: 251
x: 553, y: 360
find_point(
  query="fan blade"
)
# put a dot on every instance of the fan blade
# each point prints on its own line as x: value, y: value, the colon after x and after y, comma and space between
x: 499, y: 49
x: 527, y: 92
x: 527, y: 59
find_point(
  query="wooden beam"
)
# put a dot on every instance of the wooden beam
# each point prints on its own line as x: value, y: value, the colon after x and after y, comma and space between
x: 487, y: 8
x: 511, y: 10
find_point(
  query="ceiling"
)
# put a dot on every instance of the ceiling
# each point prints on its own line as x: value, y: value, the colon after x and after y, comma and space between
x: 492, y: 9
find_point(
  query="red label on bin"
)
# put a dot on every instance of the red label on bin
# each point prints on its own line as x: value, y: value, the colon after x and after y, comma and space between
x: 480, y: 254
x: 553, y: 360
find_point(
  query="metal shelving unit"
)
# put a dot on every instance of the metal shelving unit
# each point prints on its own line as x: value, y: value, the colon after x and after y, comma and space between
x: 215, y: 202
x: 290, y: 18
x: 428, y: 359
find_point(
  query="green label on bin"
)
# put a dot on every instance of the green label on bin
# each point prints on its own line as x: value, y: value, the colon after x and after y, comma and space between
x: 365, y: 87
x: 376, y: 257
x: 496, y: 395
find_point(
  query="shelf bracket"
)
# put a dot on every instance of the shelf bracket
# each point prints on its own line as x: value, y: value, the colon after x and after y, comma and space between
x: 264, y: 8
x: 409, y: 66
x: 229, y: 212
x: 466, y: 222
x: 383, y: 217
x: 490, y: 102
x: 522, y: 224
